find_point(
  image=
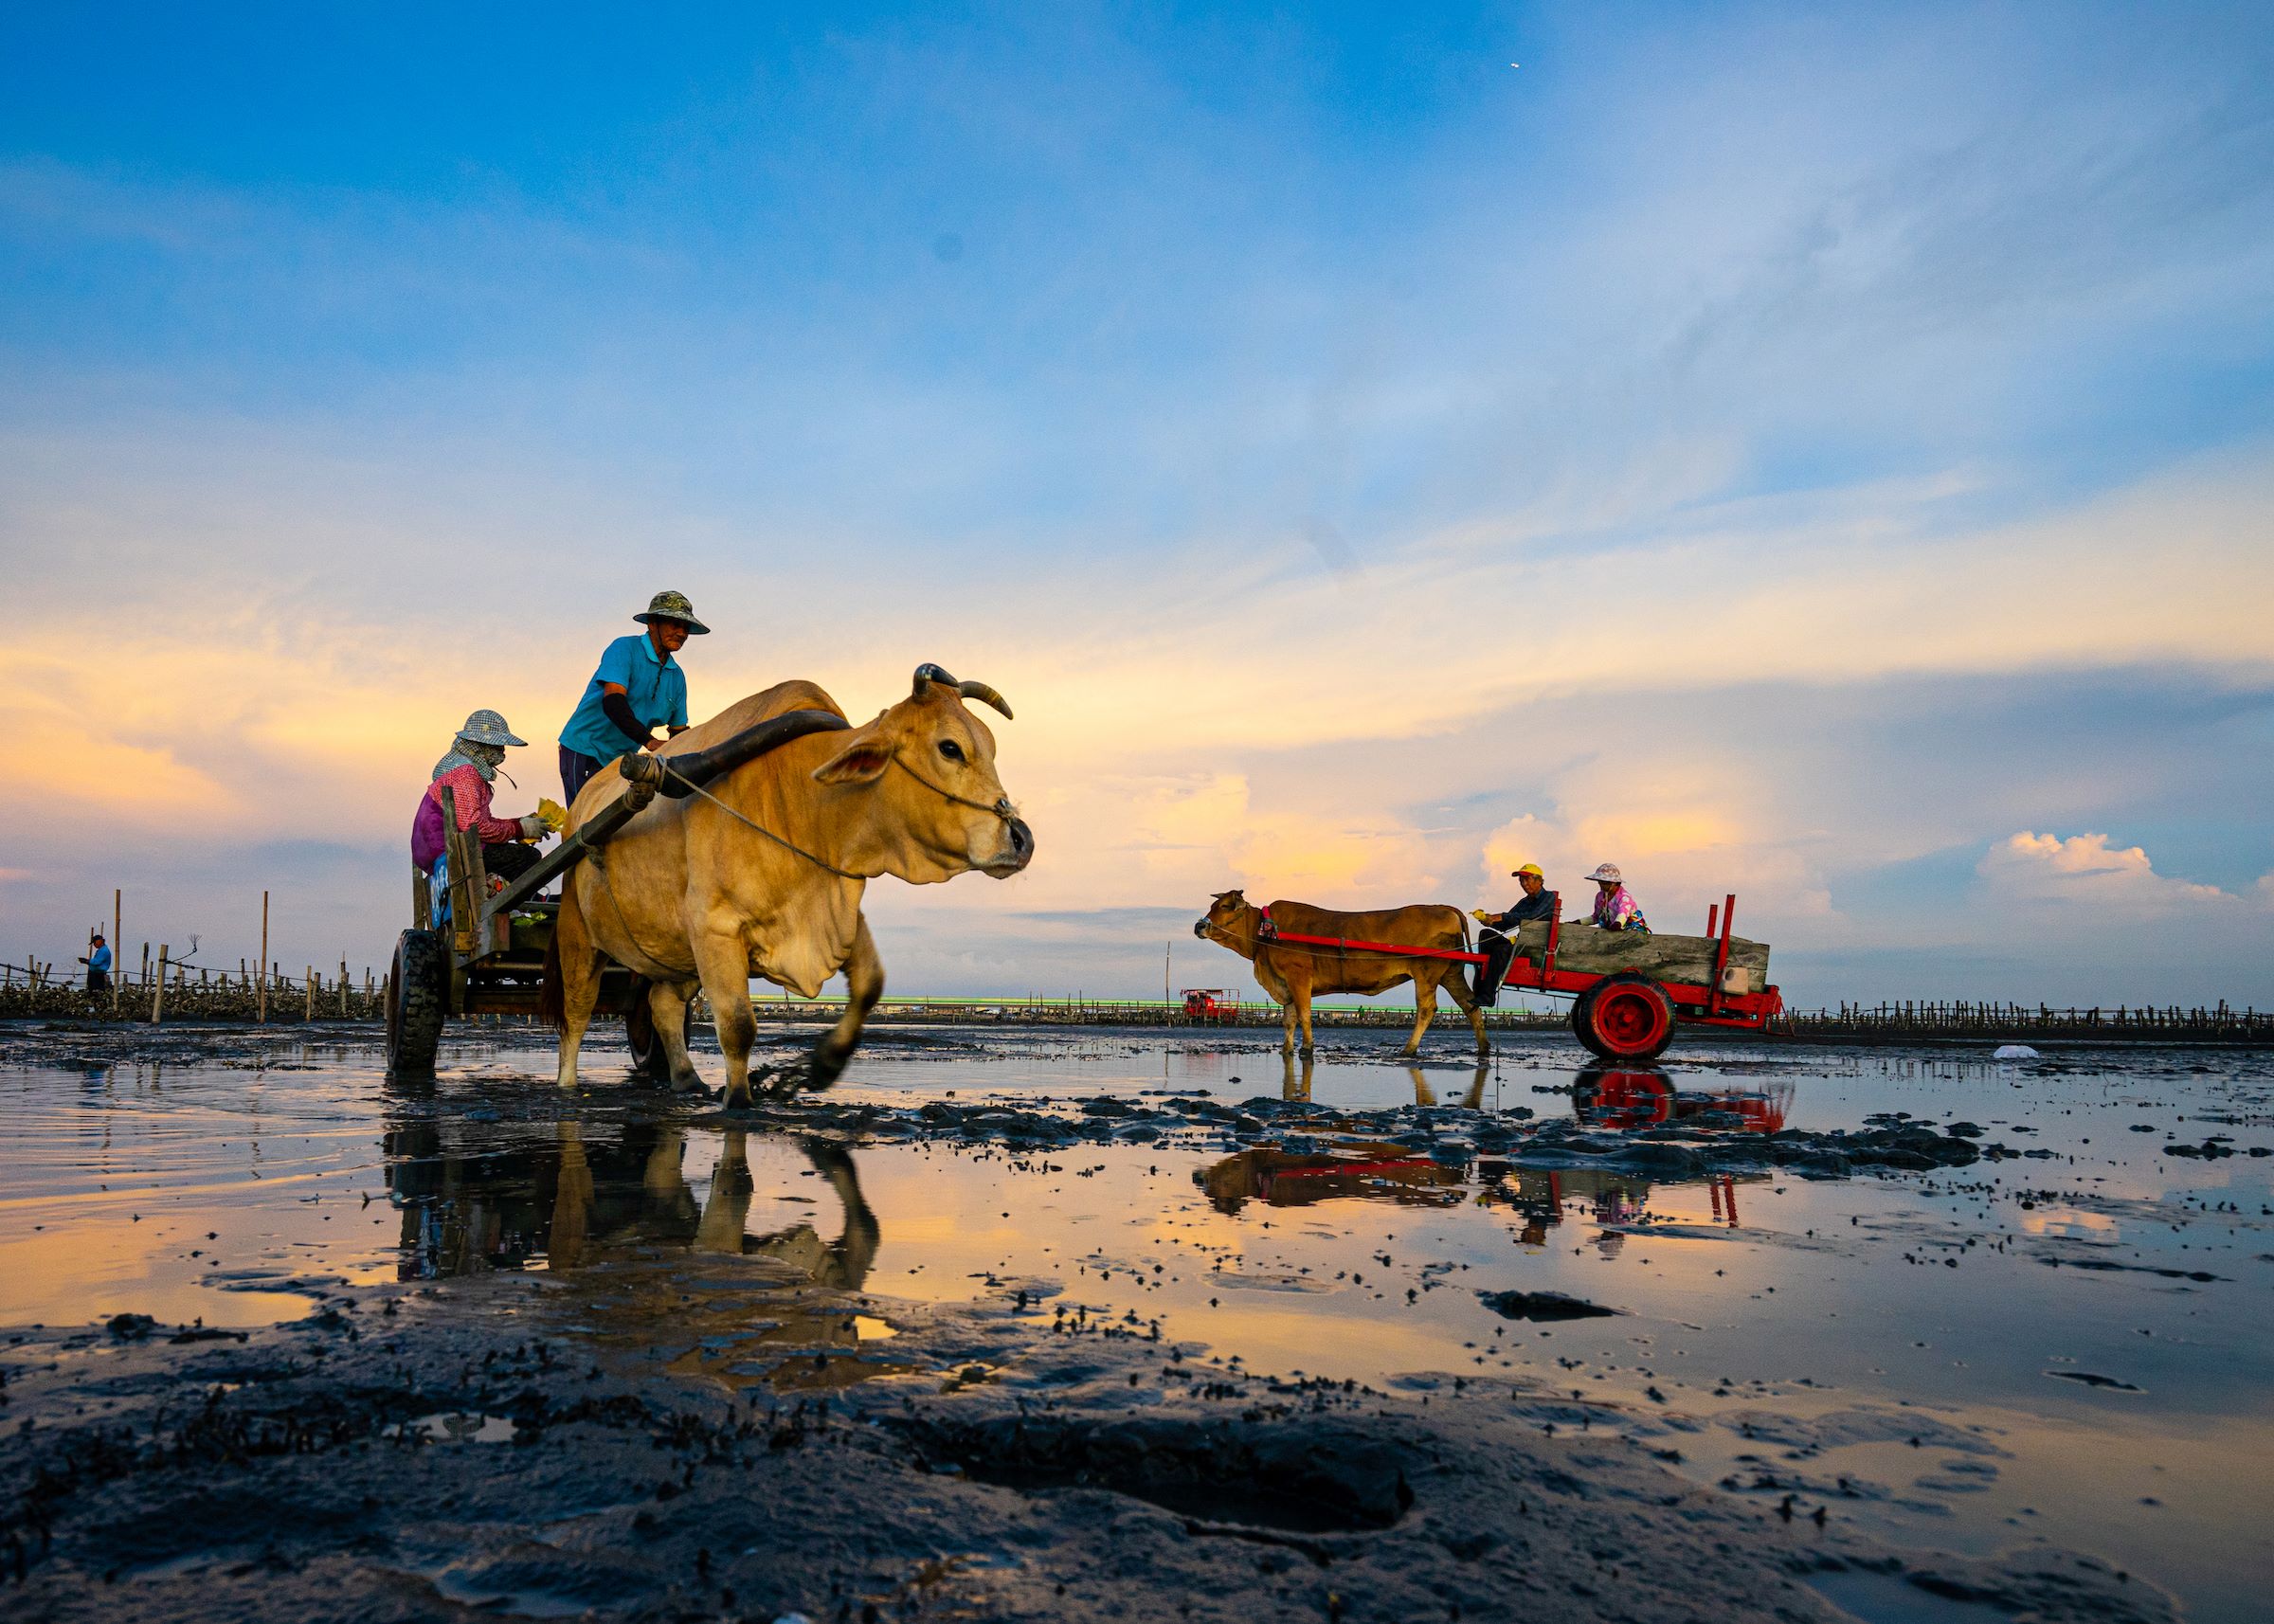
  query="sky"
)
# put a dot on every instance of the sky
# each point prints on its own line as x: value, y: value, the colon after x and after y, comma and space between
x: 1820, y: 455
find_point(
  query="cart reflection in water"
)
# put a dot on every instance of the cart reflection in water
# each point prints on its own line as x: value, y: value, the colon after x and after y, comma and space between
x: 660, y: 1273
x: 1624, y: 1099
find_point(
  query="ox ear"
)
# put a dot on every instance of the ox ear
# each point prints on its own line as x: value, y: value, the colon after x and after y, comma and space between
x: 862, y: 760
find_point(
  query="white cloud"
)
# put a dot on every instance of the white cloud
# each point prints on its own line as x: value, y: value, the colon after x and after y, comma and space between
x: 2086, y: 871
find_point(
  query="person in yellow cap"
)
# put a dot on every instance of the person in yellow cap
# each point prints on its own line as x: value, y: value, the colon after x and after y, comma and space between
x: 1498, y: 938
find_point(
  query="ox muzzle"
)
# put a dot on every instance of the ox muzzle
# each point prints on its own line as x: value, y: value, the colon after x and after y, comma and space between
x: 1018, y: 849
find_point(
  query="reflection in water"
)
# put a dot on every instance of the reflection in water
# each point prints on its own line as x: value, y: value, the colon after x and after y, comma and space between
x: 1295, y: 1082
x: 569, y: 1206
x: 659, y: 1269
x: 1473, y: 1099
x: 1350, y: 1169
x: 1620, y: 1099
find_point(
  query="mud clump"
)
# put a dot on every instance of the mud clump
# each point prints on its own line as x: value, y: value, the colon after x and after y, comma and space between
x: 1541, y: 1305
x: 1323, y: 1479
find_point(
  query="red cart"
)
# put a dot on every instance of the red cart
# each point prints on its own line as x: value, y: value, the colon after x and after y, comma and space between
x: 1626, y: 1016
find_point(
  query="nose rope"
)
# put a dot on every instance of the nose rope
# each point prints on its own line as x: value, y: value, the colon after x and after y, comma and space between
x: 785, y: 845
x: 1001, y: 809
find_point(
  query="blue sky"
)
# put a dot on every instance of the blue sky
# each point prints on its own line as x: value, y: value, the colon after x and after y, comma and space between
x: 1773, y: 448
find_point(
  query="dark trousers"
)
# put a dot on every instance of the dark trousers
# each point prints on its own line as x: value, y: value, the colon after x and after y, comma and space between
x: 98, y: 980
x: 1500, y: 952
x: 508, y: 859
x: 576, y: 767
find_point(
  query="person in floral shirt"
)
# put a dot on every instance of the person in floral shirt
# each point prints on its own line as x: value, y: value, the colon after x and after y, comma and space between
x: 1615, y: 906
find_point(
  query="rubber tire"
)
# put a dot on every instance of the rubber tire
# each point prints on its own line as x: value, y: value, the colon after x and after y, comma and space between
x: 418, y: 998
x: 1582, y: 1019
x: 648, y: 1059
x: 1635, y: 1028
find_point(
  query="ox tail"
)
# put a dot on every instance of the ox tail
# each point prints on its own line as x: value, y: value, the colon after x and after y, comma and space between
x: 552, y: 999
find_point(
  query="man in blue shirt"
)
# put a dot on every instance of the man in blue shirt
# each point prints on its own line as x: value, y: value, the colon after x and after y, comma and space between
x: 638, y: 688
x: 97, y: 961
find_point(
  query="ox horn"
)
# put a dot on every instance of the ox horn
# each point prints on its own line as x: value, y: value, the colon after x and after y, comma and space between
x: 929, y: 672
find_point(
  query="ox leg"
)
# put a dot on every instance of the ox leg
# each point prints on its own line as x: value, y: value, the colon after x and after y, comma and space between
x: 722, y: 960
x: 1457, y: 986
x: 667, y: 1005
x: 1303, y: 1011
x: 864, y: 986
x: 1425, y: 1009
x: 580, y: 971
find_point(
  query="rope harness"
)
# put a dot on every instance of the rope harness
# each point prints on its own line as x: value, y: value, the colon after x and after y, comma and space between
x: 1001, y: 808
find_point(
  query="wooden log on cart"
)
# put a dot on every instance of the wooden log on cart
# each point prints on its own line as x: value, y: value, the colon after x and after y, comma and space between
x: 1684, y: 959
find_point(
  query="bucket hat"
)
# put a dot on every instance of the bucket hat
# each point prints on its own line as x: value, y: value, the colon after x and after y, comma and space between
x: 488, y: 728
x: 673, y: 607
x: 1607, y: 871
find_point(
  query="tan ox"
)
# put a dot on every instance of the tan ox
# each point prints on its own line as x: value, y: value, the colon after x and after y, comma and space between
x: 1293, y: 973
x: 762, y: 874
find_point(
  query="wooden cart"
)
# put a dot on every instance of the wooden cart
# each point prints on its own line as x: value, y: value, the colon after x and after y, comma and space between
x: 1626, y: 1017
x: 489, y: 958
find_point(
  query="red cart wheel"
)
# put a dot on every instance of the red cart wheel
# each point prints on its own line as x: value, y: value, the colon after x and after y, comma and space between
x: 1625, y: 1017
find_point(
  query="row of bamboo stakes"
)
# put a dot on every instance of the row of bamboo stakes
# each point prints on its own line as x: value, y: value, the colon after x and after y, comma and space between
x: 272, y: 977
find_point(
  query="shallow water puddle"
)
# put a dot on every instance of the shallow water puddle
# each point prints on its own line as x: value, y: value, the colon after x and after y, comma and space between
x: 2072, y: 1343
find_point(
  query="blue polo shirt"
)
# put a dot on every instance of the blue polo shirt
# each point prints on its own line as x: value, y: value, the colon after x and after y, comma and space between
x: 656, y: 687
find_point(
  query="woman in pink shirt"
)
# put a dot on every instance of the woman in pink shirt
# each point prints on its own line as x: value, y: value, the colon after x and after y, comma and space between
x: 1615, y: 906
x: 474, y: 759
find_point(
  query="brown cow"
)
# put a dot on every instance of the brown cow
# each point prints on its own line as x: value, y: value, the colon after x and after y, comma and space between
x: 1293, y: 973
x: 763, y: 874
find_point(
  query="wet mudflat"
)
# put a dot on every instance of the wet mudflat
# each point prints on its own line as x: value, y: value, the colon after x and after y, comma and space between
x: 1947, y: 1304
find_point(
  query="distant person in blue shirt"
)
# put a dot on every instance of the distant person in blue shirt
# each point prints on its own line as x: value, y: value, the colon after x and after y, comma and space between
x: 638, y: 689
x: 97, y: 961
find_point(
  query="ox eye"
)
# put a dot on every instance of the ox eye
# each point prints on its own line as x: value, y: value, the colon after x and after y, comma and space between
x: 953, y: 751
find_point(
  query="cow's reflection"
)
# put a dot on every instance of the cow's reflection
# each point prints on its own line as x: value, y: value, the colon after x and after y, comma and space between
x: 1352, y: 1168
x: 841, y: 1264
x: 1426, y: 1094
x: 569, y: 1203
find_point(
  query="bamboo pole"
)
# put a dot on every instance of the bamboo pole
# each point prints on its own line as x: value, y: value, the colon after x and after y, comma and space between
x: 308, y: 986
x: 157, y: 991
x: 343, y: 986
x: 118, y: 904
x: 260, y: 1009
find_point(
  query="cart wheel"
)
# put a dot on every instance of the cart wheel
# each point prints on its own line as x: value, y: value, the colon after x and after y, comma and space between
x: 1626, y: 1017
x: 418, y: 990
x: 648, y: 1059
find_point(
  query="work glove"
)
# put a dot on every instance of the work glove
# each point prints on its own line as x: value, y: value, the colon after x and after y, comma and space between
x: 533, y: 827
x: 1480, y: 916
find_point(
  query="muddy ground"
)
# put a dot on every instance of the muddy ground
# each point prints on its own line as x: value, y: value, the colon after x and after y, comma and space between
x: 456, y: 1452
x: 684, y: 1418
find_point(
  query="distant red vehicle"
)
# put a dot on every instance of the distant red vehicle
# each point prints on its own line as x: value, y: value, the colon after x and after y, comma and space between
x: 1211, y: 1003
